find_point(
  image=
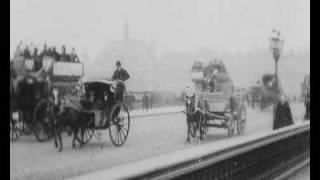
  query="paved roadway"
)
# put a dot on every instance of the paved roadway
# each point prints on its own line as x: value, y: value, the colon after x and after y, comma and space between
x: 149, y: 136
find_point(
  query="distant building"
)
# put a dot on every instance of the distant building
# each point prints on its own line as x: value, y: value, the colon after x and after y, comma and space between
x: 136, y: 56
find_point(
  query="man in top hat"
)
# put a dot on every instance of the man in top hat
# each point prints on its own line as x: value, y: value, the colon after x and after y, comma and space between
x: 120, y: 75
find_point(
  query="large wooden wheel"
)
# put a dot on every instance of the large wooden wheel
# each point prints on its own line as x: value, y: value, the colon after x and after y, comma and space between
x: 119, y: 124
x: 43, y: 121
x: 242, y: 120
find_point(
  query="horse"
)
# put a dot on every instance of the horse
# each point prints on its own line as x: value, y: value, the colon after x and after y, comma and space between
x: 193, y: 117
x: 72, y: 119
x: 66, y: 117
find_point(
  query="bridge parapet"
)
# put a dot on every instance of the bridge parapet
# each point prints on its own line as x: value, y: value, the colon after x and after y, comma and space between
x: 239, y: 157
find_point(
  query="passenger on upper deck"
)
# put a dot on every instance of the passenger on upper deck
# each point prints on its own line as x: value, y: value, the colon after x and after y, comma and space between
x: 26, y: 53
x: 64, y: 56
x: 49, y: 52
x: 37, y: 60
x: 55, y: 54
x: 73, y: 56
x: 44, y: 51
x: 18, y: 51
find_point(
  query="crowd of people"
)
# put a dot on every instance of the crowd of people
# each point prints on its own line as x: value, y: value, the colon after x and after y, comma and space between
x: 33, y: 53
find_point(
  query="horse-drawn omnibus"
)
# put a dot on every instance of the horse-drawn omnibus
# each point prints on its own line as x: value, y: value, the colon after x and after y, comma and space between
x: 218, y: 106
x: 36, y: 89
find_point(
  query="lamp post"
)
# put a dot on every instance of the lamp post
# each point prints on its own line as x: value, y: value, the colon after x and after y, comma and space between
x: 276, y: 42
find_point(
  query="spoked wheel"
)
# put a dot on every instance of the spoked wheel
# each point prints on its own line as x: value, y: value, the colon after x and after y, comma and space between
x: 231, y: 126
x: 43, y: 121
x: 241, y: 125
x: 119, y: 124
x: 84, y: 135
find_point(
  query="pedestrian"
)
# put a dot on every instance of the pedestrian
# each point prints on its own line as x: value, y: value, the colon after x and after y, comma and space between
x: 307, y: 105
x: 145, y: 102
x: 282, y: 114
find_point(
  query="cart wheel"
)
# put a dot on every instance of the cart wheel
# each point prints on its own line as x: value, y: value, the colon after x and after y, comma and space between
x: 43, y: 121
x: 84, y: 135
x: 241, y: 125
x: 231, y: 126
x: 119, y: 124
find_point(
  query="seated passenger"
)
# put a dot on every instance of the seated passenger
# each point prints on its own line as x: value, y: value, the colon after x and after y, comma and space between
x: 55, y: 54
x: 44, y: 51
x: 37, y: 60
x: 49, y: 52
x: 64, y: 56
x: 26, y: 53
x: 73, y: 56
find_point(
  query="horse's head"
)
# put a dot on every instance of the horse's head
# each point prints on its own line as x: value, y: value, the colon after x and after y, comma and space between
x: 190, y: 103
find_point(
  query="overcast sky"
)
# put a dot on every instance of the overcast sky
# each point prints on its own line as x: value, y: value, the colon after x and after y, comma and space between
x: 230, y: 25
x: 173, y: 25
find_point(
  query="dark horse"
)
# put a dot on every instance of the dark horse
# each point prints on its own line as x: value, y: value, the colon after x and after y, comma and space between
x: 193, y: 117
x: 74, y: 120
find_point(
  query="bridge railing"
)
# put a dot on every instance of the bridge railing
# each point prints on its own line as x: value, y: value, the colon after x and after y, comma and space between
x: 229, y: 156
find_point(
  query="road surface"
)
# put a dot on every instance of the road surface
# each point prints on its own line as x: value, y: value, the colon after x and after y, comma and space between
x: 149, y: 136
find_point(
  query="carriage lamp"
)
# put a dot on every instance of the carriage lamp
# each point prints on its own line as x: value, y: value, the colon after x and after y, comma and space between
x: 276, y: 42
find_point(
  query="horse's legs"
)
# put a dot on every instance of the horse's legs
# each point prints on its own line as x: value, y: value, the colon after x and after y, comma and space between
x: 55, y: 138
x: 60, y: 139
x: 75, y: 131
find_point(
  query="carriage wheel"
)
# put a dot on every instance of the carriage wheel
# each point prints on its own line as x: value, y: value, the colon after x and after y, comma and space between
x: 43, y: 121
x: 241, y: 125
x: 119, y: 124
x: 84, y: 135
x: 231, y: 126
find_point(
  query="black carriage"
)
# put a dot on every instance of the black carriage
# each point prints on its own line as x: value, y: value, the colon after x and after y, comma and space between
x: 103, y: 105
x: 219, y: 107
x: 35, y: 91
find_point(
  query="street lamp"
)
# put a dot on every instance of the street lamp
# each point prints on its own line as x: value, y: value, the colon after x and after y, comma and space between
x: 276, y: 42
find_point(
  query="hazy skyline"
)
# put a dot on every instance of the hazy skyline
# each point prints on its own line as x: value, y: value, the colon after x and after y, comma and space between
x: 183, y: 25
x: 224, y: 26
